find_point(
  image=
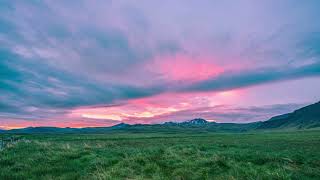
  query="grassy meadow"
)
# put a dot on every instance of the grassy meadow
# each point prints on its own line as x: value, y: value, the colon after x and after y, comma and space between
x: 286, y: 155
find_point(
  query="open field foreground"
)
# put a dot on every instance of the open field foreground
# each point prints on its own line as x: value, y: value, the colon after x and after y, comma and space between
x: 288, y: 155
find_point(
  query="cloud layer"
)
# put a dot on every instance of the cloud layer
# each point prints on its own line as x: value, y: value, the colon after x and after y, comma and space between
x: 89, y: 63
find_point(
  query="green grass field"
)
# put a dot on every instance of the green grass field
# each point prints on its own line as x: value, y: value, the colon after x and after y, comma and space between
x: 287, y: 155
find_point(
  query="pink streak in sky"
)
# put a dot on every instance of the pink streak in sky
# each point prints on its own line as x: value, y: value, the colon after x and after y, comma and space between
x: 181, y: 67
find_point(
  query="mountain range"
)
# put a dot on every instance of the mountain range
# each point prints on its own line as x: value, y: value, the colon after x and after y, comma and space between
x: 304, y: 118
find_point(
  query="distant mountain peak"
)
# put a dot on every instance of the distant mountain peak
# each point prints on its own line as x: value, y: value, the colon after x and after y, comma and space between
x: 197, y: 121
x: 120, y: 125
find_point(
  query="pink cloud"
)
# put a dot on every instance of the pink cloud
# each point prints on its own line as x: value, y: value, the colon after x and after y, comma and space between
x: 180, y: 67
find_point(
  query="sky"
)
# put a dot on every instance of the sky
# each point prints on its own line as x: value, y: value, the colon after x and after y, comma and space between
x: 84, y: 63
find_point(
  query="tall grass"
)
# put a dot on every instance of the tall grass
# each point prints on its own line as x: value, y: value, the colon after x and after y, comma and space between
x: 291, y: 155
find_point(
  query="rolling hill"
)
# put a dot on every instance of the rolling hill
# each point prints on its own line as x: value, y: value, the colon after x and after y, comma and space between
x: 304, y: 118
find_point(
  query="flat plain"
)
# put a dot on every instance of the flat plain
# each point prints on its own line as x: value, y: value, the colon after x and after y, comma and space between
x: 268, y: 155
